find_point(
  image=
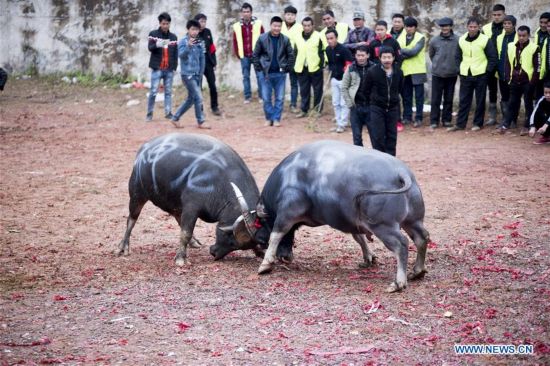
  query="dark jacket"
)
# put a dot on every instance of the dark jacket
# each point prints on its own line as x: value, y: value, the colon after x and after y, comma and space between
x: 381, y: 91
x: 442, y: 51
x: 156, y: 53
x: 209, y: 47
x: 263, y: 53
x: 388, y: 41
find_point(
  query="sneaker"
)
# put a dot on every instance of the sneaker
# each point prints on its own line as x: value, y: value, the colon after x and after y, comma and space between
x: 169, y: 116
x: 293, y: 109
x: 204, y: 126
x: 247, y: 101
x: 149, y: 118
x: 268, y: 123
x: 454, y: 128
x: 339, y: 130
x: 174, y: 121
x: 433, y: 126
x: 476, y: 128
x: 524, y: 131
x: 400, y: 126
x: 333, y: 129
x: 276, y: 124
x: 542, y: 140
x: 501, y: 130
x: 491, y: 122
x: 301, y: 115
x: 447, y: 124
x: 216, y: 112
x: 417, y: 124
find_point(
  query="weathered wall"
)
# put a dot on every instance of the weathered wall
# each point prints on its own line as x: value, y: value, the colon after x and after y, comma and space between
x: 111, y: 36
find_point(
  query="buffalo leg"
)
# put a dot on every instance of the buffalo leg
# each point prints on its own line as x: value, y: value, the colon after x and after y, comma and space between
x: 396, y: 242
x: 421, y: 237
x: 187, y: 225
x: 135, y: 208
x: 369, y: 258
x: 269, y: 257
x: 194, y: 242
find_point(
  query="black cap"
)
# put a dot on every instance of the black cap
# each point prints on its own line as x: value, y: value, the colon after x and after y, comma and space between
x: 411, y: 22
x: 445, y: 21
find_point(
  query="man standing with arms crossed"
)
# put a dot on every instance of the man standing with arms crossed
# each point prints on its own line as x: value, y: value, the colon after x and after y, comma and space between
x: 475, y: 56
x: 310, y: 60
x: 273, y: 57
x: 493, y: 30
x: 292, y: 30
x: 442, y: 52
x: 245, y: 34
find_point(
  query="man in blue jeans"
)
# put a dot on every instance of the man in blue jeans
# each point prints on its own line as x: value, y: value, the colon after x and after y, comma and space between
x: 163, y: 46
x: 273, y: 58
x: 192, y: 63
x: 245, y: 35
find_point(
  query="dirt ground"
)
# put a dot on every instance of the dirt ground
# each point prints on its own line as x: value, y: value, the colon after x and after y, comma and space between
x: 66, y: 156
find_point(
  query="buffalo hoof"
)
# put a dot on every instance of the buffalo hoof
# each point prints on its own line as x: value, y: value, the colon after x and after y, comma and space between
x: 181, y: 262
x: 122, y: 250
x: 368, y: 264
x: 417, y: 275
x: 265, y: 268
x: 395, y: 287
x: 194, y: 243
x: 287, y: 259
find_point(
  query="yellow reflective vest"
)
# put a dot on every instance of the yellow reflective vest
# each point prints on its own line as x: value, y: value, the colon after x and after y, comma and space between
x: 293, y: 33
x: 500, y: 41
x: 473, y: 55
x: 342, y: 30
x: 543, y: 56
x: 417, y: 63
x: 307, y: 53
x: 487, y: 29
x: 256, y: 29
x: 525, y: 59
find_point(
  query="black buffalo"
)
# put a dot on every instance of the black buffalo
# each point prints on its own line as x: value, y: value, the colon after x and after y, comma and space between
x: 194, y: 177
x: 357, y: 191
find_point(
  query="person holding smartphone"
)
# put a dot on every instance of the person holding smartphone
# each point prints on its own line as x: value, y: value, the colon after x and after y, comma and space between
x: 192, y: 63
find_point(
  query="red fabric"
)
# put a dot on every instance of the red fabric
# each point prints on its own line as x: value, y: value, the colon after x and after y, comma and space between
x: 164, y: 61
x: 212, y: 48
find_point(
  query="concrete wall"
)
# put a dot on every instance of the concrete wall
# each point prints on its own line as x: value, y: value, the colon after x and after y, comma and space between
x: 110, y: 36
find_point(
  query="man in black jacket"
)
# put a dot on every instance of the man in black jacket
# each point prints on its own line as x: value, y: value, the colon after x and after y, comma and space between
x: 163, y: 61
x: 273, y: 58
x: 163, y: 46
x: 384, y: 82
x: 210, y: 62
x: 3, y: 78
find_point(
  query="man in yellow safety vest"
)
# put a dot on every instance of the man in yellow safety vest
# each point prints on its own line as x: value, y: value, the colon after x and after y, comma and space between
x: 475, y: 56
x: 310, y: 60
x: 292, y: 29
x: 507, y: 37
x: 330, y: 23
x: 245, y: 34
x: 413, y: 53
x: 493, y: 30
x: 522, y: 73
x: 542, y: 37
